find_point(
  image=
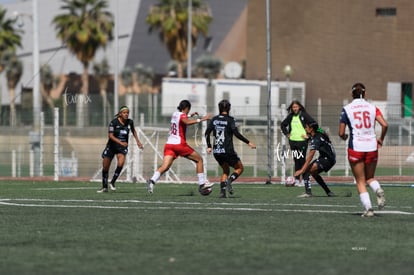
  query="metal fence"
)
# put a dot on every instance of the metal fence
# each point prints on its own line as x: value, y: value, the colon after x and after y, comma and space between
x: 75, y: 152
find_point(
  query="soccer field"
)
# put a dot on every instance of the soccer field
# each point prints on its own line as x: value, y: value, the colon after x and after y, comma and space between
x: 67, y: 228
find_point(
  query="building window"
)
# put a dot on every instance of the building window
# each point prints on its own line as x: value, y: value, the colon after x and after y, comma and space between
x: 386, y: 12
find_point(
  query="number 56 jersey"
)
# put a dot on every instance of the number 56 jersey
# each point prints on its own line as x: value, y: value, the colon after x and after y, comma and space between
x: 178, y: 129
x: 359, y: 116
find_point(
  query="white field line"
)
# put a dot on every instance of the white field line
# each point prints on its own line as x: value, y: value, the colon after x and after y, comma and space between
x: 208, y: 204
x: 63, y: 188
x: 180, y: 206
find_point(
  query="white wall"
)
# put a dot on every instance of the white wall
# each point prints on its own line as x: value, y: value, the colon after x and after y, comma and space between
x: 61, y: 60
x: 249, y: 98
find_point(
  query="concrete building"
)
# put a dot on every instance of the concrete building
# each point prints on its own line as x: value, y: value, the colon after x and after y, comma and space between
x: 332, y: 44
x: 329, y: 44
x: 135, y: 45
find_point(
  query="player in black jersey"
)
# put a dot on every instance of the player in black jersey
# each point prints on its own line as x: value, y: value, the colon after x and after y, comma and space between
x: 118, y: 133
x: 327, y: 158
x: 224, y: 127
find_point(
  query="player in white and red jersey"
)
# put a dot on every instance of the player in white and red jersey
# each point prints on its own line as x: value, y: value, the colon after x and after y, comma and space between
x: 361, y: 116
x: 177, y: 146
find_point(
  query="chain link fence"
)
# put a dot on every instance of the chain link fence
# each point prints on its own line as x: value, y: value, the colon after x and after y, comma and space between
x: 68, y: 151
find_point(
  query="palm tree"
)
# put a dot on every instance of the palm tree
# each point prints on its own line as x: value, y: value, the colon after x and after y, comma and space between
x: 145, y: 77
x: 84, y: 28
x: 127, y: 81
x: 144, y: 80
x: 101, y: 71
x: 14, y: 71
x: 170, y: 19
x: 10, y: 37
x: 50, y: 84
x: 47, y: 82
x: 208, y: 66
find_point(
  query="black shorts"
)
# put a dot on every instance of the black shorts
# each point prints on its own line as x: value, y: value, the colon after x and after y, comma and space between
x: 324, y: 164
x: 111, y: 151
x: 230, y: 159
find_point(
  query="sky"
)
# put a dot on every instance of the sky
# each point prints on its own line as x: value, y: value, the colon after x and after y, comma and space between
x: 2, y: 2
x: 7, y: 1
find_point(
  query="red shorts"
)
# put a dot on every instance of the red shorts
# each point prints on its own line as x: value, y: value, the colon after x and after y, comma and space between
x: 177, y: 150
x: 366, y: 157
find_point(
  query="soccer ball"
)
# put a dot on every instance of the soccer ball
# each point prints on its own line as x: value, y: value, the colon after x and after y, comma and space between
x: 290, y: 181
x: 206, y: 191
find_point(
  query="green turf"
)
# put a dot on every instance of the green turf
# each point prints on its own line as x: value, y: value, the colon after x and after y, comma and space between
x: 67, y: 228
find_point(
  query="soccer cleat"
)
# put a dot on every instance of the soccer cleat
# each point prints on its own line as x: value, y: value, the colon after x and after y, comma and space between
x: 299, y: 183
x: 150, y: 186
x: 102, y: 190
x: 331, y: 194
x: 368, y: 213
x: 229, y: 186
x: 223, y: 190
x: 206, y: 185
x: 380, y: 198
x: 305, y: 195
x: 206, y: 188
x: 112, y: 186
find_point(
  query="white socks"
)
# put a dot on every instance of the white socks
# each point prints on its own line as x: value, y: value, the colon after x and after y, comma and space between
x: 156, y: 176
x: 200, y: 178
x: 374, y: 185
x: 365, y: 200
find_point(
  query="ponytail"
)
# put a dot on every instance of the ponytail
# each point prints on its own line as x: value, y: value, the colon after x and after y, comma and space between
x: 314, y: 125
x: 183, y: 104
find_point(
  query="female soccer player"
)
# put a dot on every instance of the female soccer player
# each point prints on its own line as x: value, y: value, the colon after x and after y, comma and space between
x: 177, y: 146
x: 327, y: 158
x: 224, y: 127
x: 293, y: 127
x: 360, y: 116
x: 118, y: 133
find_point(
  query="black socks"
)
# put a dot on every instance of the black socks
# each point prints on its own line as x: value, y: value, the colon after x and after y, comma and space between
x: 116, y: 174
x: 322, y: 183
x: 104, y: 179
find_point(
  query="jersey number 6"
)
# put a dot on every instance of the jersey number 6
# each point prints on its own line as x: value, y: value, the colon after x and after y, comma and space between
x: 362, y: 119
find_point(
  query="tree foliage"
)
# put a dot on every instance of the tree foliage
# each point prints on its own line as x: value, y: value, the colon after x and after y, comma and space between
x: 208, y: 66
x: 170, y: 19
x: 84, y: 27
x: 10, y: 37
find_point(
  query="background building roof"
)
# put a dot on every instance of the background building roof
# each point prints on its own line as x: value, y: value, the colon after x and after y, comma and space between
x: 135, y: 44
x: 147, y: 48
